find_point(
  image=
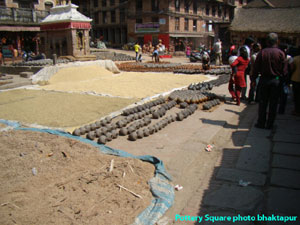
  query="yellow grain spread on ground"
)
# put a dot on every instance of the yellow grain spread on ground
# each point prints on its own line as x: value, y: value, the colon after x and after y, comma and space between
x: 55, y: 109
x: 126, y: 84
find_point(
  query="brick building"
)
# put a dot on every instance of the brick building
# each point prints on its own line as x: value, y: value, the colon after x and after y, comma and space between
x: 19, y: 22
x: 175, y: 22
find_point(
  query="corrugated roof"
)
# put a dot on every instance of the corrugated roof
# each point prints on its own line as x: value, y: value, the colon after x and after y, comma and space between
x: 275, y: 3
x: 280, y: 20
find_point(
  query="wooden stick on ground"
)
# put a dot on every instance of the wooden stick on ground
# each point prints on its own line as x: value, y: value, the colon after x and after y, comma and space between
x: 136, y: 195
x: 111, y: 168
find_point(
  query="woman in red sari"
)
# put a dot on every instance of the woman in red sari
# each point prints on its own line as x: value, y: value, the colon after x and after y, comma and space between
x: 239, y: 79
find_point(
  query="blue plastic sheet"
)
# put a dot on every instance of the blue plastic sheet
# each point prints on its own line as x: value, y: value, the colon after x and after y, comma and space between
x: 162, y: 190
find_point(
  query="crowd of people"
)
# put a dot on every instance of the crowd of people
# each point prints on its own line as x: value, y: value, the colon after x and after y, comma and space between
x: 271, y: 71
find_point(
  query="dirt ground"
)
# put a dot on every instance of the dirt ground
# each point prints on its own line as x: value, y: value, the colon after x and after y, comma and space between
x: 46, y: 179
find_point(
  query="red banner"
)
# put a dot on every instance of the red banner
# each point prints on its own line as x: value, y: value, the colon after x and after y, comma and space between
x: 66, y: 25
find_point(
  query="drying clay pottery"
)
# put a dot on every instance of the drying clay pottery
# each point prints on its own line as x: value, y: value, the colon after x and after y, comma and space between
x: 123, y: 131
x: 77, y: 132
x: 102, y: 139
x: 133, y: 136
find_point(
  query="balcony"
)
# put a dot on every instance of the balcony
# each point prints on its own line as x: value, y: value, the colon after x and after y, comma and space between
x: 21, y: 16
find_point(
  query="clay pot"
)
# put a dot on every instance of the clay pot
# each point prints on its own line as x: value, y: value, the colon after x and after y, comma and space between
x: 140, y: 115
x: 109, y: 127
x: 130, y: 129
x: 179, y: 116
x: 114, y: 134
x: 151, y: 130
x: 77, y: 132
x: 108, y: 119
x: 93, y: 126
x: 82, y: 130
x: 87, y: 128
x: 123, y: 131
x: 104, y: 130
x: 108, y: 136
x: 98, y: 132
x: 102, y: 139
x: 155, y: 115
x: 183, y: 105
x: 140, y: 134
x: 146, y: 132
x: 114, y: 126
x: 120, y: 124
x: 132, y: 136
x: 140, y: 108
x: 91, y: 135
x: 98, y: 124
x: 136, y: 116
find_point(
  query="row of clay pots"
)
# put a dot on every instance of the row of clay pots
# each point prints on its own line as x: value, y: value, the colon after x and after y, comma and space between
x: 189, y: 96
x: 186, y: 112
x: 151, y: 129
x: 143, y: 107
x: 208, y: 105
x: 202, y: 86
x: 163, y: 109
x: 91, y: 127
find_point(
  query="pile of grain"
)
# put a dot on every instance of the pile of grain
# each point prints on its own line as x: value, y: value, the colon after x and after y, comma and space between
x: 126, y: 84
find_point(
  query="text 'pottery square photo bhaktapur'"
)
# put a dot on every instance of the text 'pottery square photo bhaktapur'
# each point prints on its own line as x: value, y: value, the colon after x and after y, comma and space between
x: 150, y: 112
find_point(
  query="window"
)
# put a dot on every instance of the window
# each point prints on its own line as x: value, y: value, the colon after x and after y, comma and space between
x: 186, y: 6
x: 104, y: 18
x: 139, y: 5
x: 195, y: 7
x: 2, y: 2
x: 103, y: 3
x: 213, y: 11
x: 225, y: 12
x: 24, y: 4
x: 122, y: 15
x: 194, y: 25
x: 96, y: 17
x: 186, y: 24
x: 112, y: 2
x: 95, y: 3
x: 177, y: 5
x: 219, y: 11
x: 177, y: 23
x: 155, y: 5
x: 139, y: 20
x: 207, y: 10
x: 113, y: 16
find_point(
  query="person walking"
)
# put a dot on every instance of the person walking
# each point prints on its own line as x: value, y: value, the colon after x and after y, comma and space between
x: 270, y: 63
x: 137, y: 49
x: 295, y: 78
x: 241, y: 64
x: 248, y: 45
x: 231, y: 88
x: 253, y: 89
x: 218, y: 52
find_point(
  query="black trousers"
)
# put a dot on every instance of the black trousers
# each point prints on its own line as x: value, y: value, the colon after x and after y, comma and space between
x: 269, y: 97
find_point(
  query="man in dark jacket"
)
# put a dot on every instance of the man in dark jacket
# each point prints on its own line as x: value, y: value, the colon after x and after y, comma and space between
x: 270, y: 63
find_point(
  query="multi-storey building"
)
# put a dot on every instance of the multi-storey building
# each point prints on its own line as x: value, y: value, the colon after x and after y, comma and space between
x: 19, y: 22
x: 175, y: 22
